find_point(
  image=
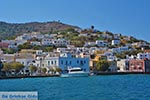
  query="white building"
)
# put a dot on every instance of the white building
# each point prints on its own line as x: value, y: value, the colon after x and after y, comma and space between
x: 60, y: 42
x: 101, y: 43
x: 55, y: 42
x: 143, y: 55
x: 123, y: 65
x: 85, y: 34
x: 20, y: 42
x: 115, y: 42
x: 37, y: 35
x: 10, y: 42
x: 25, y: 59
x: 120, y: 49
x: 7, y: 57
x: 14, y: 43
x: 61, y: 50
x: 24, y: 37
x: 89, y: 44
x: 35, y: 43
x: 117, y: 36
x: 47, y: 41
x: 110, y: 56
x: 105, y: 36
x: 39, y: 52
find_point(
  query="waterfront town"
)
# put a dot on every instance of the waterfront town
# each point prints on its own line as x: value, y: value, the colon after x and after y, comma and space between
x: 36, y: 53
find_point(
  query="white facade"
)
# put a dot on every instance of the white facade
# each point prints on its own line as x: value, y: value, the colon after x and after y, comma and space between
x: 106, y: 36
x: 110, y: 56
x: 8, y: 41
x: 143, y: 55
x: 60, y: 42
x: 89, y: 44
x: 38, y: 36
x: 122, y: 65
x: 1, y: 52
x: 47, y: 41
x: 20, y: 42
x: 86, y: 34
x: 25, y: 61
x: 52, y: 61
x: 14, y: 43
x: 35, y: 43
x: 24, y: 37
x: 101, y: 43
x: 39, y: 52
x: 55, y: 42
x: 115, y: 42
x: 12, y: 46
x: 60, y: 50
x: 116, y: 36
x: 120, y: 49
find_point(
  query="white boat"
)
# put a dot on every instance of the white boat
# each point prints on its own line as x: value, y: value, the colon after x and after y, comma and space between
x: 75, y: 72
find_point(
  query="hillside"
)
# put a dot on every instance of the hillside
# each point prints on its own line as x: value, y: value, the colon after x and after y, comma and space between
x: 12, y: 29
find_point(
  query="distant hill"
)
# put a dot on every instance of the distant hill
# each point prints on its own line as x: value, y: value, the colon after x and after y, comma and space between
x: 13, y: 29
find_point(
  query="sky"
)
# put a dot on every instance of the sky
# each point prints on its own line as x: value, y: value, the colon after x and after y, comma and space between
x: 128, y: 17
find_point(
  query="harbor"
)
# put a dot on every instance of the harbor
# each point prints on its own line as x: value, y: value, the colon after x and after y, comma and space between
x: 110, y: 87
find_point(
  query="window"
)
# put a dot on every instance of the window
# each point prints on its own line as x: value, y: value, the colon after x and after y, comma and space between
x: 52, y: 62
x: 62, y: 62
x: 55, y: 62
x: 81, y: 62
x: 66, y: 62
x: 77, y: 61
x: 84, y: 61
x: 70, y: 62
x: 134, y: 68
x: 140, y: 68
x: 48, y: 62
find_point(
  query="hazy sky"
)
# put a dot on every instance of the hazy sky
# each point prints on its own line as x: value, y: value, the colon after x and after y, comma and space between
x: 129, y: 17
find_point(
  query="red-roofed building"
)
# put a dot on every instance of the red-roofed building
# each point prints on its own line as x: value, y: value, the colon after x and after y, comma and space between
x: 4, y: 45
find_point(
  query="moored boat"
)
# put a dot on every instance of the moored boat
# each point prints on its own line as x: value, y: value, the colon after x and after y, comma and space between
x: 75, y: 72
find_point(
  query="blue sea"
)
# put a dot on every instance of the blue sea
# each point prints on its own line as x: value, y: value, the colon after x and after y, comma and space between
x: 111, y: 87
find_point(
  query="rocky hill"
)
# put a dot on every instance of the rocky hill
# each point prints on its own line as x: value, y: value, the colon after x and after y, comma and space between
x: 13, y: 29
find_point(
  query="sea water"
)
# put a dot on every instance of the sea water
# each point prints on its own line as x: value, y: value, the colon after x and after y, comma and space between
x: 111, y: 87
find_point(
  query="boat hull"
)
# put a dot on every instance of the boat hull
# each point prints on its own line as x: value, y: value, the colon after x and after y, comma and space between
x: 75, y: 75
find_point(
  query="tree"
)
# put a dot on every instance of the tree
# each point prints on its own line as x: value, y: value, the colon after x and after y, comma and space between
x: 6, y: 67
x: 102, y: 65
x: 13, y: 66
x: 52, y: 70
x: 17, y: 66
x: 33, y: 69
x: 1, y: 65
x: 59, y: 70
x: 26, y: 45
x: 44, y: 70
x: 48, y: 49
x: 8, y: 50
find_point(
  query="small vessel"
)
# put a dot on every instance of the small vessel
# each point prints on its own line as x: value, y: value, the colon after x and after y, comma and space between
x: 75, y: 72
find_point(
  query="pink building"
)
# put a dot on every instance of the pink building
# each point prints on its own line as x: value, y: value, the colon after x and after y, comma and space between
x: 139, y: 65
